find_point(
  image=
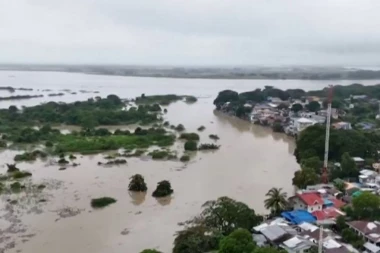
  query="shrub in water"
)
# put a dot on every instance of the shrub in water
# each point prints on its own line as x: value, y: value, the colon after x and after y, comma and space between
x: 137, y: 183
x: 163, y: 189
x: 190, y: 146
x: 102, y: 202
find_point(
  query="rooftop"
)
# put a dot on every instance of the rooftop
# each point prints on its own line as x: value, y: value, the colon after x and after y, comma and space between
x: 310, y: 198
x: 370, y: 229
x: 298, y: 216
x: 327, y: 213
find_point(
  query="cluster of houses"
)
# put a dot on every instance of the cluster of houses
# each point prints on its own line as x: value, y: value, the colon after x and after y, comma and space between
x: 267, y: 113
x: 317, y: 207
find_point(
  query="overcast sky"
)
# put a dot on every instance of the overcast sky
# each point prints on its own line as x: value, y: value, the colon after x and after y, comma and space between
x: 191, y: 32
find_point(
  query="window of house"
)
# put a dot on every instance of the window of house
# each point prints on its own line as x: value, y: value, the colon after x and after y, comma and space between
x: 311, y: 209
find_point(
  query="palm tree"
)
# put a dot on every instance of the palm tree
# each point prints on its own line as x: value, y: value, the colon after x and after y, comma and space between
x: 276, y: 201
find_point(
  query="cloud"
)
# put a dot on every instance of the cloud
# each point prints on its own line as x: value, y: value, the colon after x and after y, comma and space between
x: 197, y: 32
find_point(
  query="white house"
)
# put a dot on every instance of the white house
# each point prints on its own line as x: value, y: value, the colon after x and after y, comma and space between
x: 309, y: 201
x: 303, y: 123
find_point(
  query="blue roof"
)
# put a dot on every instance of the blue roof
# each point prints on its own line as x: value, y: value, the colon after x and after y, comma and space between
x: 327, y: 202
x: 298, y: 216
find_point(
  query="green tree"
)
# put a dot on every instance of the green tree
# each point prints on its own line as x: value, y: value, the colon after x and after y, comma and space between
x: 348, y: 166
x: 296, y: 108
x: 340, y: 223
x: 150, y: 251
x: 268, y: 250
x: 276, y: 201
x: 305, y: 177
x: 226, y: 96
x: 197, y: 239
x: 340, y: 185
x: 313, y: 163
x: 366, y: 206
x: 313, y: 106
x: 137, y: 184
x: 239, y: 241
x: 225, y: 215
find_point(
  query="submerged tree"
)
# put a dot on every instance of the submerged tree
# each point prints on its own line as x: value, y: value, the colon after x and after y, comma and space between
x: 163, y: 189
x: 276, y: 201
x: 12, y: 168
x: 137, y: 184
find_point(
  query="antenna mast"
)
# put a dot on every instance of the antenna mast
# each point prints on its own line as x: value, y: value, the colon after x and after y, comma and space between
x: 325, y: 176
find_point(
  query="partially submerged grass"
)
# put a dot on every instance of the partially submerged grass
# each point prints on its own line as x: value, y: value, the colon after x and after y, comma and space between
x: 185, y: 158
x: 21, y: 174
x: 102, y: 202
x: 162, y: 154
x: 201, y: 128
x: 30, y: 156
x: 189, y: 136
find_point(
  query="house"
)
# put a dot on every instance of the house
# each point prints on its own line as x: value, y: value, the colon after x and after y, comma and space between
x: 303, y: 123
x: 371, y: 248
x: 298, y: 216
x: 297, y: 244
x: 309, y: 201
x: 359, y: 161
x: 367, y: 176
x: 334, y: 113
x: 358, y: 97
x: 368, y: 229
x: 342, y: 125
x: 276, y: 234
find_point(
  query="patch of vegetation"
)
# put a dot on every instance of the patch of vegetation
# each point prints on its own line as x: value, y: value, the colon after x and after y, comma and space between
x: 185, y: 158
x: 113, y: 142
x: 21, y: 174
x: 166, y: 124
x: 88, y: 114
x: 102, y: 202
x: 163, y: 99
x: 116, y: 162
x: 3, y: 144
x: 189, y: 136
x: 180, y: 128
x: 165, y: 110
x: 191, y: 146
x: 137, y: 183
x: 150, y: 251
x: 136, y: 153
x: 214, y: 137
x: 201, y: 128
x: 162, y: 154
x: 191, y: 99
x: 163, y: 189
x: 30, y: 156
x: 41, y: 187
x: 56, y: 94
x: 16, y: 187
x: 72, y: 157
x: 48, y: 144
x: 19, y: 97
x: 207, y: 146
x: 63, y: 161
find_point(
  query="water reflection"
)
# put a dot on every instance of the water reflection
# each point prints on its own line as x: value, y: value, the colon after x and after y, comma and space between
x: 137, y: 198
x: 164, y: 201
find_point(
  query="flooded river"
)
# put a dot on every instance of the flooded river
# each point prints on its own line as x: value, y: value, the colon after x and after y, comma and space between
x: 250, y: 161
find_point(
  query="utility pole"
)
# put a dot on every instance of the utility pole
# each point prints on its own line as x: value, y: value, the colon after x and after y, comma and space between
x: 325, y: 174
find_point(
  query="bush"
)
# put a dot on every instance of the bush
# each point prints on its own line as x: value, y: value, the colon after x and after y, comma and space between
x: 137, y: 183
x: 63, y: 161
x: 190, y: 146
x: 201, y: 128
x: 48, y: 144
x: 163, y: 189
x: 72, y: 157
x: 214, y: 137
x: 102, y: 202
x: 30, y: 156
x: 3, y: 144
x: 185, y: 158
x: 191, y: 99
x: 206, y: 146
x: 21, y: 174
x: 180, y: 128
x: 150, y: 251
x: 16, y: 186
x: 159, y: 154
x: 116, y: 162
x: 189, y: 136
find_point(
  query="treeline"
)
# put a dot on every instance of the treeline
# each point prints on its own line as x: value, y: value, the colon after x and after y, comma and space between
x: 93, y: 112
x: 259, y: 95
x: 163, y: 99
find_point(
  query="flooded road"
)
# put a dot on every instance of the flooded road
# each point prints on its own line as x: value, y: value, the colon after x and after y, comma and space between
x: 250, y: 161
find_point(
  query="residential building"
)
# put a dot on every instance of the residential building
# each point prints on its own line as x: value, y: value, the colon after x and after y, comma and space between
x: 303, y: 123
x: 368, y: 229
x: 342, y: 125
x: 309, y: 201
x: 297, y: 244
x: 359, y: 161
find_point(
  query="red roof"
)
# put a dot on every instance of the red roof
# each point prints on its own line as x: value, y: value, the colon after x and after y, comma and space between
x: 337, y: 203
x: 310, y: 198
x: 327, y: 213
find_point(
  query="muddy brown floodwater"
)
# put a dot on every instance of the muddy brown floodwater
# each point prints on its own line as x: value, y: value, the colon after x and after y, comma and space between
x: 59, y: 218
